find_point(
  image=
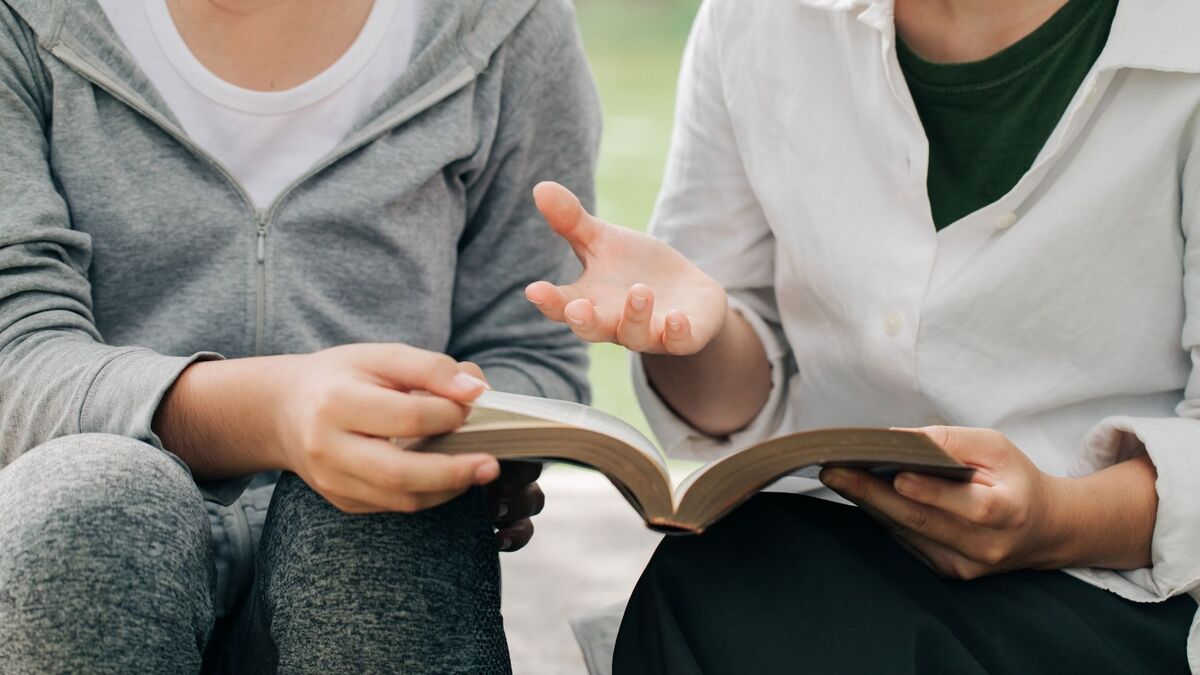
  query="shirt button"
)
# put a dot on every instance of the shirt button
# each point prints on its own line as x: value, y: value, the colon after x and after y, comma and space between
x: 1006, y: 220
x: 893, y: 323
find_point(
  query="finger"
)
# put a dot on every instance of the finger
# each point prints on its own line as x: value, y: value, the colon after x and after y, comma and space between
x: 973, y: 502
x: 937, y: 556
x: 350, y: 494
x: 389, y: 467
x: 515, y: 536
x: 586, y: 323
x: 634, y: 331
x: 942, y: 559
x: 567, y: 217
x: 862, y: 487
x: 677, y: 334
x: 351, y: 505
x: 509, y: 506
x: 385, y: 501
x: 387, y: 413
x: 408, y: 368
x: 550, y: 300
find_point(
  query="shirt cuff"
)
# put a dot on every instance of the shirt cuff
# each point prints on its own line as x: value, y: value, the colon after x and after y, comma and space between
x: 679, y: 439
x: 1173, y: 445
x: 125, y: 395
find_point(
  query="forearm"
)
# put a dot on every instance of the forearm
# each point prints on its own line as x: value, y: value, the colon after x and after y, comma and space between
x: 720, y: 389
x: 216, y: 417
x: 1105, y: 519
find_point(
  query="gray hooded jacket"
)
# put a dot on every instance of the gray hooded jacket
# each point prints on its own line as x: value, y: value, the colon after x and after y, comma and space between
x: 127, y: 252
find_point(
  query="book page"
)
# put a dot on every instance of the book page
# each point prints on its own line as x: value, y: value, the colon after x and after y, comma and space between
x: 572, y: 414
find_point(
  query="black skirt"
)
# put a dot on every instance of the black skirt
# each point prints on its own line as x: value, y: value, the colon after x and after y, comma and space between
x: 792, y: 584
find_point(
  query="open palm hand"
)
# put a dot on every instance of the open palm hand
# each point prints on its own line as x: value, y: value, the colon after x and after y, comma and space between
x: 635, y: 291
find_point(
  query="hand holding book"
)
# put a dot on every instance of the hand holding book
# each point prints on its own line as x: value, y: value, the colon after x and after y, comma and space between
x: 1010, y: 515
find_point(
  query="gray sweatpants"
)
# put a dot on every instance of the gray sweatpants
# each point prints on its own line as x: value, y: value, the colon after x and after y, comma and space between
x: 106, y: 567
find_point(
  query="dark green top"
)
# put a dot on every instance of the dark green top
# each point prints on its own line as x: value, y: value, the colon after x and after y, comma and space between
x: 987, y: 120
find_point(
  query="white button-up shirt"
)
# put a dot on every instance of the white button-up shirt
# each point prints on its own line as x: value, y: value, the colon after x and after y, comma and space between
x: 1066, y: 315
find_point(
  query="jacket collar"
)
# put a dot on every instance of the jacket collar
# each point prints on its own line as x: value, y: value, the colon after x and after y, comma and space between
x: 452, y: 33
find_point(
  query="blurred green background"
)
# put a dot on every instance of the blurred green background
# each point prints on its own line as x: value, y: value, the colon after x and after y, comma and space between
x: 635, y: 47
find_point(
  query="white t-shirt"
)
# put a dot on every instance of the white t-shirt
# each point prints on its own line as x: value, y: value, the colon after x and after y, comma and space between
x: 267, y: 139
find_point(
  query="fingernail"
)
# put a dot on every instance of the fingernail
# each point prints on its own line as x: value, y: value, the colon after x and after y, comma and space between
x: 905, y: 484
x: 674, y: 324
x: 501, y: 509
x: 505, y: 543
x: 574, y: 321
x: 638, y: 300
x: 468, y: 383
x: 487, y: 472
x: 535, y: 302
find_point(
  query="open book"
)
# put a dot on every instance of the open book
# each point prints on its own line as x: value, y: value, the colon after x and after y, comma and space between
x: 513, y: 427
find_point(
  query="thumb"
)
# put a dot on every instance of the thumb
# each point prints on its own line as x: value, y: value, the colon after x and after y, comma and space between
x: 977, y: 447
x: 566, y: 216
x: 473, y: 370
x: 950, y: 439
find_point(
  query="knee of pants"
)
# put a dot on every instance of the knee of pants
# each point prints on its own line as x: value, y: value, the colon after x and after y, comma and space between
x: 312, y: 554
x: 98, y: 509
x: 421, y: 590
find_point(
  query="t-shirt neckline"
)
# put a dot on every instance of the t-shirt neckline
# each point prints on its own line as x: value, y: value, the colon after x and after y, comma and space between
x: 207, y: 83
x: 1008, y: 63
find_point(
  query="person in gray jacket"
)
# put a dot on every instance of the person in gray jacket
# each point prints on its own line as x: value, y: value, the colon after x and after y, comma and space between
x: 240, y: 245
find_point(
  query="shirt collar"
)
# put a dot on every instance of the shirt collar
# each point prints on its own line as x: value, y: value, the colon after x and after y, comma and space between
x: 1147, y: 34
x: 1154, y: 35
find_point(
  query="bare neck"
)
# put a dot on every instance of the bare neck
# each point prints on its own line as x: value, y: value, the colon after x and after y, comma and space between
x: 269, y: 45
x: 957, y: 31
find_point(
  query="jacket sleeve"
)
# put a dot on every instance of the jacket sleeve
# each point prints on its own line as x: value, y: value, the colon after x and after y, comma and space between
x: 57, y: 377
x: 548, y: 129
x: 708, y: 211
x: 1172, y: 443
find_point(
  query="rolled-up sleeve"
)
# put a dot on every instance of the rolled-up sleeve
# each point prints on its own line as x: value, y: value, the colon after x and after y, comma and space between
x: 1172, y: 444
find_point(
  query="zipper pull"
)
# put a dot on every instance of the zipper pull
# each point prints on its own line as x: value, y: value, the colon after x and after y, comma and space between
x: 262, y: 240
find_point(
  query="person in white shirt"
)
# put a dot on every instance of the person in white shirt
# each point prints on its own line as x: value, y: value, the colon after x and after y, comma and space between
x: 975, y: 218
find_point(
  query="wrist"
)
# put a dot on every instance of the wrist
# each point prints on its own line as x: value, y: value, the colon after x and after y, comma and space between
x: 276, y: 379
x: 223, y: 418
x: 721, y: 388
x: 1057, y: 541
x: 1105, y: 519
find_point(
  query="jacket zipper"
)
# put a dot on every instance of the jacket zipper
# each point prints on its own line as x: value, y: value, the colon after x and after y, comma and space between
x: 118, y: 90
x: 260, y: 285
x: 263, y: 218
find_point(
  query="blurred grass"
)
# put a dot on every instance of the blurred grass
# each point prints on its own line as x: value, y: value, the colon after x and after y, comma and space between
x: 635, y: 47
